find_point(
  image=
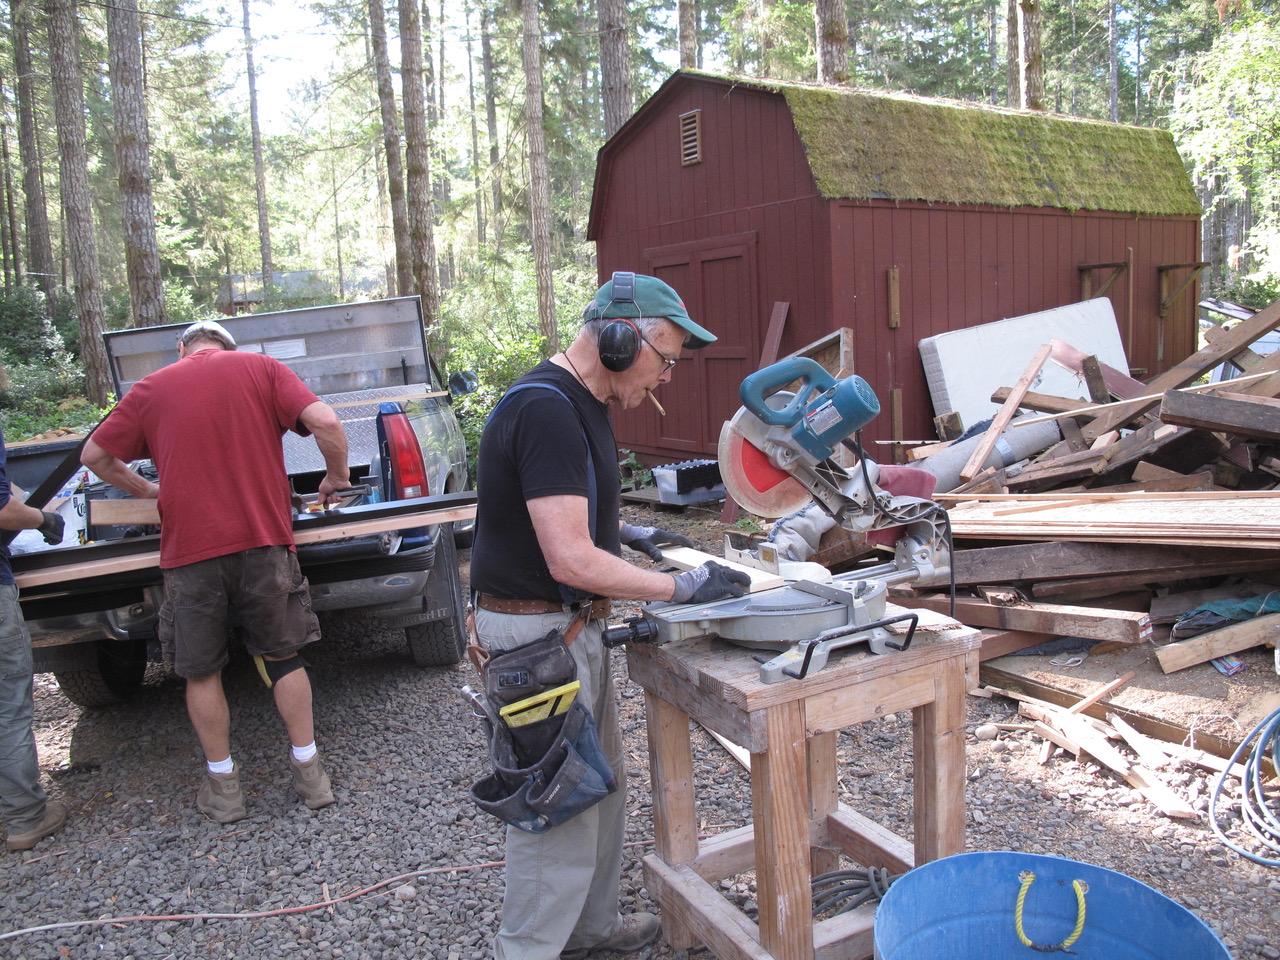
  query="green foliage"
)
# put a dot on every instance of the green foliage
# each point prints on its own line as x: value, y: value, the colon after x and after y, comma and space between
x: 633, y: 470
x: 26, y: 331
x: 1256, y: 293
x: 747, y: 523
x: 1226, y: 118
x: 46, y: 395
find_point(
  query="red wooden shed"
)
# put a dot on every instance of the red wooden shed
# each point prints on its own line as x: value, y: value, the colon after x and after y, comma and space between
x: 896, y: 217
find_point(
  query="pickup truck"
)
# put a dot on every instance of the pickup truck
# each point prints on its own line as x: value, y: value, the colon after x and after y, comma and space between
x: 390, y: 550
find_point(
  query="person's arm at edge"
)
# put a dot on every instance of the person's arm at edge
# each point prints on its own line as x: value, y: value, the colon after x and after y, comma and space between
x: 117, y: 472
x: 16, y: 515
x: 330, y: 436
x: 560, y: 523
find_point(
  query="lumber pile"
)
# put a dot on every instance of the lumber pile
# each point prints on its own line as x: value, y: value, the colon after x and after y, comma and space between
x: 1156, y: 490
x: 1115, y: 744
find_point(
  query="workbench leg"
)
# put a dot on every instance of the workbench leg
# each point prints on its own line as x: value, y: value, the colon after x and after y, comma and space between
x: 675, y: 824
x: 938, y: 750
x: 780, y: 805
x: 823, y: 797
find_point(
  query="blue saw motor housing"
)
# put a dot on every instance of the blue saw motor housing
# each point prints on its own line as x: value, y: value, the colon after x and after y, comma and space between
x: 822, y: 412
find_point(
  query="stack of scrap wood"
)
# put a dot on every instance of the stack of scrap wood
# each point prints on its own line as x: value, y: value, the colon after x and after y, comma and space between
x: 1093, y: 728
x: 1156, y: 490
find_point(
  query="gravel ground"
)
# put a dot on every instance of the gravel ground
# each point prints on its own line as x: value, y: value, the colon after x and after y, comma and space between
x: 417, y: 869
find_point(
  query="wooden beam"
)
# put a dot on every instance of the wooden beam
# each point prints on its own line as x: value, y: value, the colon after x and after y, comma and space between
x: 1052, y: 620
x: 1218, y: 643
x: 979, y: 458
x: 1243, y: 334
x: 1066, y: 559
x: 1233, y: 413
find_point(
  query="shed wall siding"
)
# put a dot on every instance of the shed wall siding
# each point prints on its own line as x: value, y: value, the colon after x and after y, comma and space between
x: 746, y: 228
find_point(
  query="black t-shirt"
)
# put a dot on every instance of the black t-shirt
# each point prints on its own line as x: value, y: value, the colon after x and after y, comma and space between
x: 534, y: 445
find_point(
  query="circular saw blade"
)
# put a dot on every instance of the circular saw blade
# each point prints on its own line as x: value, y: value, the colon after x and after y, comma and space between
x: 755, y: 483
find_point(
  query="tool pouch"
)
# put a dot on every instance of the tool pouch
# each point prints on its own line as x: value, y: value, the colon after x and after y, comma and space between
x: 550, y: 770
x: 572, y: 775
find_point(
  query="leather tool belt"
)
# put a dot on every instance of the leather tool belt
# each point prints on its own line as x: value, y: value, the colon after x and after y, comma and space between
x: 595, y: 610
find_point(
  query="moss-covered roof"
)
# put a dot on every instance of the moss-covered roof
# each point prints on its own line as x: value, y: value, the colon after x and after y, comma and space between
x: 864, y: 145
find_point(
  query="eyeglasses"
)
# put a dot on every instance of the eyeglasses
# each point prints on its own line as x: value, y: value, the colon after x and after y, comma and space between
x: 668, y: 362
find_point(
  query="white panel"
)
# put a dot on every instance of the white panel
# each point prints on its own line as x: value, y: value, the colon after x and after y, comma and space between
x: 964, y: 367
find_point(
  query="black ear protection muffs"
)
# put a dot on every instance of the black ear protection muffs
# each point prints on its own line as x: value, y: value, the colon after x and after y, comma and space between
x: 620, y: 341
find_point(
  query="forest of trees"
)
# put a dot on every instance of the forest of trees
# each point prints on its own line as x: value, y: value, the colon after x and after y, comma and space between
x: 448, y: 148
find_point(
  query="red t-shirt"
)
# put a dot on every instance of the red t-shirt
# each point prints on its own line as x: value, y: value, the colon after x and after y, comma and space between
x: 213, y: 424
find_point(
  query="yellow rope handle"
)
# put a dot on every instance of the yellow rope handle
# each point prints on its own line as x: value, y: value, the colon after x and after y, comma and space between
x: 1081, y: 888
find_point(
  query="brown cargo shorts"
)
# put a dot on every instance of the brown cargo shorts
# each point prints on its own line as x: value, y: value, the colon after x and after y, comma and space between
x: 263, y: 587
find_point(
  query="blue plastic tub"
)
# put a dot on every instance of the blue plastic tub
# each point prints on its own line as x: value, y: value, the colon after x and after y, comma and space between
x: 965, y: 908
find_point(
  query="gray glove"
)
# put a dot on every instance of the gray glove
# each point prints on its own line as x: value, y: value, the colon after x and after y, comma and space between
x: 52, y: 528
x: 649, y: 540
x: 711, y: 581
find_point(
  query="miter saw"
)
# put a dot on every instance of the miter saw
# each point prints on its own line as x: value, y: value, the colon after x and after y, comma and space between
x: 776, y: 459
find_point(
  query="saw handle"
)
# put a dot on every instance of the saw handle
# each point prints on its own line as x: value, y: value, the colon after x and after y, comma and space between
x: 814, y: 380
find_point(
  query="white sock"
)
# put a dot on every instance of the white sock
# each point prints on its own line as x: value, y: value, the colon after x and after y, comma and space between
x: 222, y: 766
x: 303, y: 754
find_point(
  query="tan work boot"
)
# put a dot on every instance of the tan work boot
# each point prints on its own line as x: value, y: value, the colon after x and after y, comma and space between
x: 311, y: 782
x: 635, y: 931
x: 54, y: 819
x: 220, y: 797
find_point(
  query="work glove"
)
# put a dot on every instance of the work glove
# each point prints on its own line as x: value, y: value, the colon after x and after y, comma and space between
x: 711, y: 581
x: 649, y: 540
x: 51, y: 527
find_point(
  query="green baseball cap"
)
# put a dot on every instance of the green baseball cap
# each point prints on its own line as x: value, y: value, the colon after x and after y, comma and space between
x: 630, y: 295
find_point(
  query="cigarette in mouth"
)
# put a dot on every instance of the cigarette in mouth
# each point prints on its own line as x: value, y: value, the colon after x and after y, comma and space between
x: 649, y: 394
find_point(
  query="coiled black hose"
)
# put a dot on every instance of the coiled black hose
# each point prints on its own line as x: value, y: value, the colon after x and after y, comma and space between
x: 1257, y: 816
x: 843, y: 890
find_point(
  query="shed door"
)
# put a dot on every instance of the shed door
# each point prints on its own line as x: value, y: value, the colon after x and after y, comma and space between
x: 717, y: 279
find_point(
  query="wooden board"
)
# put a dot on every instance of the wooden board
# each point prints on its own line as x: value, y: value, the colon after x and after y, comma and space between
x: 1230, y: 520
x: 81, y: 570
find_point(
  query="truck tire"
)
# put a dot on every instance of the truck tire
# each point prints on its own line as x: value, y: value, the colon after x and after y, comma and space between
x: 443, y: 642
x: 121, y: 665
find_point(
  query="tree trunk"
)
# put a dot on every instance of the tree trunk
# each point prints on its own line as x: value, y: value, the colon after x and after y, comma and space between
x: 491, y: 120
x: 133, y: 157
x: 687, y: 34
x: 615, y: 65
x: 1013, y: 52
x: 417, y: 161
x: 12, y: 262
x: 539, y: 185
x: 259, y: 167
x: 391, y: 147
x: 40, y: 263
x: 1113, y: 57
x: 475, y: 132
x: 831, y: 23
x: 1033, y: 56
x: 68, y: 102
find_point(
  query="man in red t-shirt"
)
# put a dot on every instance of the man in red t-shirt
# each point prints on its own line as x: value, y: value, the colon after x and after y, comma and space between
x: 212, y: 423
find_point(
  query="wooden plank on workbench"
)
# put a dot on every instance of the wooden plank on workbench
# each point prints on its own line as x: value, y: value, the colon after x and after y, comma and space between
x: 687, y: 558
x: 1117, y: 626
x: 1219, y: 643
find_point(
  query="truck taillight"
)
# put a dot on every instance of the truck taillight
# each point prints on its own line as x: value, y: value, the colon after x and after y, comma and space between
x: 403, y: 454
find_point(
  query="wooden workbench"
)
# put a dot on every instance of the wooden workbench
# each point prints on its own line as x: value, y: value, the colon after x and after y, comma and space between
x: 799, y: 826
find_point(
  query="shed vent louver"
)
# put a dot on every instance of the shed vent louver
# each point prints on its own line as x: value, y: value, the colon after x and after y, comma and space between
x: 690, y: 137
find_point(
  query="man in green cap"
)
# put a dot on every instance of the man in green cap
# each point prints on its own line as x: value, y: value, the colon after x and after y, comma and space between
x: 547, y: 555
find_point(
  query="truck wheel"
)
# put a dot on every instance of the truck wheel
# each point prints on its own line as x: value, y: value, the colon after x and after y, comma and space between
x: 443, y: 642
x: 118, y: 675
